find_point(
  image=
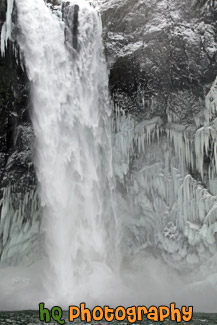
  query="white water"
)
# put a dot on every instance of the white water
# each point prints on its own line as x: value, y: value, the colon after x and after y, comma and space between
x: 73, y: 150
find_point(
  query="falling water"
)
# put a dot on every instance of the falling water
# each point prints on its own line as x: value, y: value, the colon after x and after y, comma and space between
x: 69, y: 84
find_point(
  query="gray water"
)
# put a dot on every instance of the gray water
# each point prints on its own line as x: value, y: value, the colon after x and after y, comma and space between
x: 32, y: 317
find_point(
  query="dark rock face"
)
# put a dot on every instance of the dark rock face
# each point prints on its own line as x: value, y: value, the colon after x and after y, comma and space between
x: 3, y: 9
x: 16, y: 133
x: 16, y: 130
x: 164, y: 51
x: 53, y: 2
x: 70, y: 18
x: 17, y: 173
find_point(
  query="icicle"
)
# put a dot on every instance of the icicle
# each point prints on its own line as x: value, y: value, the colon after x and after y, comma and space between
x: 178, y: 135
x: 16, y: 235
x: 6, y: 32
x: 211, y: 102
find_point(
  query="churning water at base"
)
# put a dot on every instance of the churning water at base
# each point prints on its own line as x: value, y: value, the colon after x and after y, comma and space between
x: 71, y: 110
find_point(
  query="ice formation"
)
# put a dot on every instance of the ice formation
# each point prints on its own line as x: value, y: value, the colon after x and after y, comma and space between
x: 19, y: 227
x: 131, y: 138
x: 168, y: 209
x: 6, y: 32
x: 205, y: 137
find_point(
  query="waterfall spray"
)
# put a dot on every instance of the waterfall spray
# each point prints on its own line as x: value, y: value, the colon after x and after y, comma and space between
x: 71, y: 110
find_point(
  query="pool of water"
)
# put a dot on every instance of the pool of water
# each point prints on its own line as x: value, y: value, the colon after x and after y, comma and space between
x: 32, y: 317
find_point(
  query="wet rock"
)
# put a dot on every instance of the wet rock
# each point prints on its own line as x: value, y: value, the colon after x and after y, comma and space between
x: 158, y: 50
x: 16, y: 132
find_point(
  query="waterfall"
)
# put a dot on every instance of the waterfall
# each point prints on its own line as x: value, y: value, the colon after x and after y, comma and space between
x: 163, y: 243
x: 71, y: 119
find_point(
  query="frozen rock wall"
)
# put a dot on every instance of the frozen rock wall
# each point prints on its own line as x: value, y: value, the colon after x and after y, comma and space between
x: 18, y: 194
x: 162, y: 56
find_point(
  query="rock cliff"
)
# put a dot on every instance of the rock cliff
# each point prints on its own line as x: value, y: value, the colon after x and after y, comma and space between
x: 163, y: 61
x: 17, y: 173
